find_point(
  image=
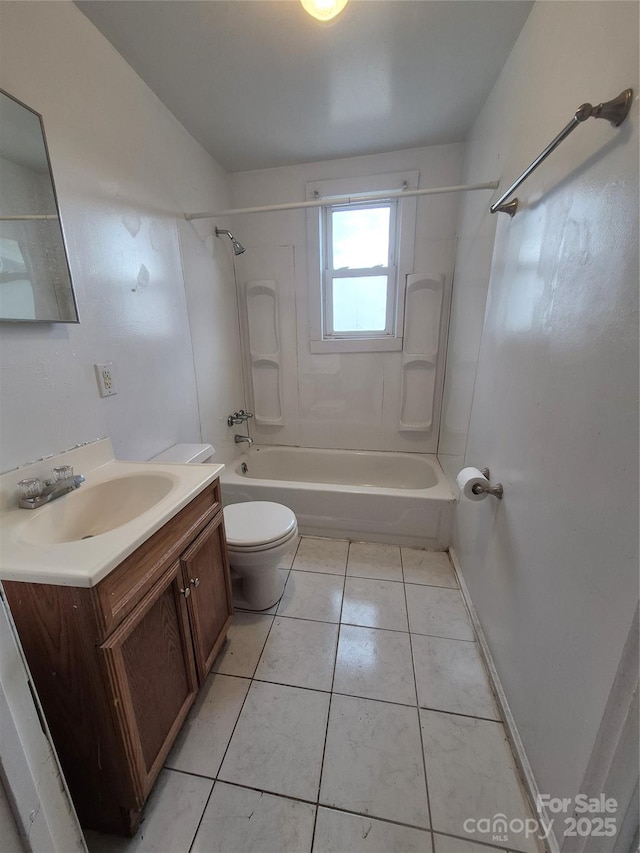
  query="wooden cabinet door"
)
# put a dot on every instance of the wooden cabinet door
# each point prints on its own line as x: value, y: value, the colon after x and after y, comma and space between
x: 205, y: 568
x: 151, y: 677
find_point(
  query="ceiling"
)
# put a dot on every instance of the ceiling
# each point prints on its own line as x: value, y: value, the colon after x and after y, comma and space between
x: 259, y: 83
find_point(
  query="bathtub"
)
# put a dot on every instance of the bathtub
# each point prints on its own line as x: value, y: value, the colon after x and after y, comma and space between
x: 398, y: 498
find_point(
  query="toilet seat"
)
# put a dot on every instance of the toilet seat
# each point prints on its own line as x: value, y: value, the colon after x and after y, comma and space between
x: 258, y: 525
x: 271, y: 546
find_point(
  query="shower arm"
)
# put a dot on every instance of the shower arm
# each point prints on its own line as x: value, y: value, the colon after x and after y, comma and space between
x: 615, y: 111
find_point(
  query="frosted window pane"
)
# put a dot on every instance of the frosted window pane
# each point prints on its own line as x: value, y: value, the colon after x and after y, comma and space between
x: 360, y: 304
x: 360, y: 238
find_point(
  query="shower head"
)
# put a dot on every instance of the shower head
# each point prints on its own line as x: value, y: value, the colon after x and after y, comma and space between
x: 238, y: 248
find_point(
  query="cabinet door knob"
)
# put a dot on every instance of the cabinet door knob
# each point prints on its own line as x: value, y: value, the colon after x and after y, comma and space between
x: 186, y: 592
x: 195, y: 581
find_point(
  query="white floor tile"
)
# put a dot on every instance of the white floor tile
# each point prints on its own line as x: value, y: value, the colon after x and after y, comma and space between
x: 447, y: 844
x: 374, y: 604
x: 370, y: 560
x: 471, y: 775
x: 238, y: 820
x: 428, y: 567
x: 245, y: 640
x: 322, y: 555
x: 171, y: 818
x: 201, y: 744
x: 278, y: 742
x: 310, y: 595
x: 438, y: 612
x: 373, y: 773
x: 375, y: 664
x: 450, y: 676
x: 373, y: 762
x: 337, y: 832
x: 299, y: 652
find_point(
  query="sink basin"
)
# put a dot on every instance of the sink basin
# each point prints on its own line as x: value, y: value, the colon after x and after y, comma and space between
x: 95, y: 509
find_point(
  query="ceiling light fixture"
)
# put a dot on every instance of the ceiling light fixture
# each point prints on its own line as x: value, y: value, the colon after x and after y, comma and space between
x: 323, y: 10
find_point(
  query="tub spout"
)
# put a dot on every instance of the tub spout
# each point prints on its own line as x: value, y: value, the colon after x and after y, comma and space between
x: 239, y: 439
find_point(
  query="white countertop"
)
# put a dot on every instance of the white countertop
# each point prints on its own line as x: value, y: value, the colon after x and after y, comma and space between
x: 86, y: 562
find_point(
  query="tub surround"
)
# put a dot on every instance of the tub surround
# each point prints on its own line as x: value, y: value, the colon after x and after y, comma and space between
x: 362, y: 400
x: 397, y: 498
x: 84, y: 563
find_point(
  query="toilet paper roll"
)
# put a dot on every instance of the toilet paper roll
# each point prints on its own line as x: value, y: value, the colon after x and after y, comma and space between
x: 467, y: 479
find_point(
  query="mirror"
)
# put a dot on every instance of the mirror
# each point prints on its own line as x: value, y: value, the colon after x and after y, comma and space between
x: 35, y: 281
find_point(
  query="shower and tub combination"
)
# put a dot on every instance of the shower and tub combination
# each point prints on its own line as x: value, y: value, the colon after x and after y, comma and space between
x: 392, y: 497
x: 389, y: 497
x: 378, y: 496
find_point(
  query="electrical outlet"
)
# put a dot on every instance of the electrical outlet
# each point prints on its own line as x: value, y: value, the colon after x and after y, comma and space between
x: 106, y: 383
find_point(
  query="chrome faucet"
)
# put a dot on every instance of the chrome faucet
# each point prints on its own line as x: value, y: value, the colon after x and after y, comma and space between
x: 239, y: 439
x: 240, y: 417
x: 33, y: 493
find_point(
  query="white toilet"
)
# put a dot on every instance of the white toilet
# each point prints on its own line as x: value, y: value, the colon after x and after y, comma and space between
x: 259, y: 535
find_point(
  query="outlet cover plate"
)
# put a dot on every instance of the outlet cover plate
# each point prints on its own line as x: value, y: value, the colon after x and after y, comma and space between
x: 106, y: 382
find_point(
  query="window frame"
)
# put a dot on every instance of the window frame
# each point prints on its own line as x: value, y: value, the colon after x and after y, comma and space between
x: 331, y: 273
x: 322, y: 337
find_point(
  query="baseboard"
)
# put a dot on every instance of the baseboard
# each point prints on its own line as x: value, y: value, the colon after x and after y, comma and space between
x: 528, y: 779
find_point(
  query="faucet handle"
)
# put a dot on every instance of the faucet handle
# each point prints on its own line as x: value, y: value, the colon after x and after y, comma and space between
x: 245, y: 415
x: 30, y: 488
x: 63, y: 472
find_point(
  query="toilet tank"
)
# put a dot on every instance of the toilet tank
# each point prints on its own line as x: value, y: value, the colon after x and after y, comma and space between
x: 185, y: 453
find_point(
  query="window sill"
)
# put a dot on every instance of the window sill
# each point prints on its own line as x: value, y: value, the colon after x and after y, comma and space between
x: 356, y: 345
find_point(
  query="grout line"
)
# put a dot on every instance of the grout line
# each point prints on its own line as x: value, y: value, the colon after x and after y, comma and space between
x: 206, y: 806
x: 436, y: 585
x: 333, y: 678
x: 319, y: 805
x: 471, y: 840
x: 459, y: 714
x: 293, y: 686
x: 368, y: 816
x: 375, y: 699
x: 440, y: 637
x: 415, y: 684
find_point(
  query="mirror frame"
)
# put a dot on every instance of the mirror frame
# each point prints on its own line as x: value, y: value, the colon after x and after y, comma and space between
x: 62, y: 234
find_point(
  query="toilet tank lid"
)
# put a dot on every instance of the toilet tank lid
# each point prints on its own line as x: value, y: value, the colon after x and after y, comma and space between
x: 185, y: 453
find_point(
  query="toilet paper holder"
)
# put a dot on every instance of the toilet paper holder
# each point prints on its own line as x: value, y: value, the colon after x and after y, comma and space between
x: 497, y: 491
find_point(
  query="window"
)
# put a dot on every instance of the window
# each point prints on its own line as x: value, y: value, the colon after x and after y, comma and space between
x: 359, y: 270
x: 359, y: 255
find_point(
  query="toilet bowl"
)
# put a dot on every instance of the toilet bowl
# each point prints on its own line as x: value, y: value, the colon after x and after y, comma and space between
x: 259, y: 535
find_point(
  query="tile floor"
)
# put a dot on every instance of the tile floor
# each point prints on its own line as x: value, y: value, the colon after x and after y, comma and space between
x: 353, y: 717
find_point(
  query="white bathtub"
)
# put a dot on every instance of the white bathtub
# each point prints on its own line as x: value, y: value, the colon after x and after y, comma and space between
x: 398, y: 498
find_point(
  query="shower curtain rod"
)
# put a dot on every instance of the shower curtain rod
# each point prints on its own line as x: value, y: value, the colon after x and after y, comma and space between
x: 342, y: 199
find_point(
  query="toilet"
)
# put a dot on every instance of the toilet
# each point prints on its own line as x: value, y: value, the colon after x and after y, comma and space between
x: 259, y: 535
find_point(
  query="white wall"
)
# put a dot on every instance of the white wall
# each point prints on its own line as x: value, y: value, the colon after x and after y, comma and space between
x: 124, y: 169
x: 553, y: 568
x: 349, y: 400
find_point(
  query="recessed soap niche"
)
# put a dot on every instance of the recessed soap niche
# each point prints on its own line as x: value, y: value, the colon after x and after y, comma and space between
x: 423, y: 310
x: 264, y: 350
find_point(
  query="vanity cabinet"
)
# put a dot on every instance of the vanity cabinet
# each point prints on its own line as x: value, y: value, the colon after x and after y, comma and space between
x: 117, y: 666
